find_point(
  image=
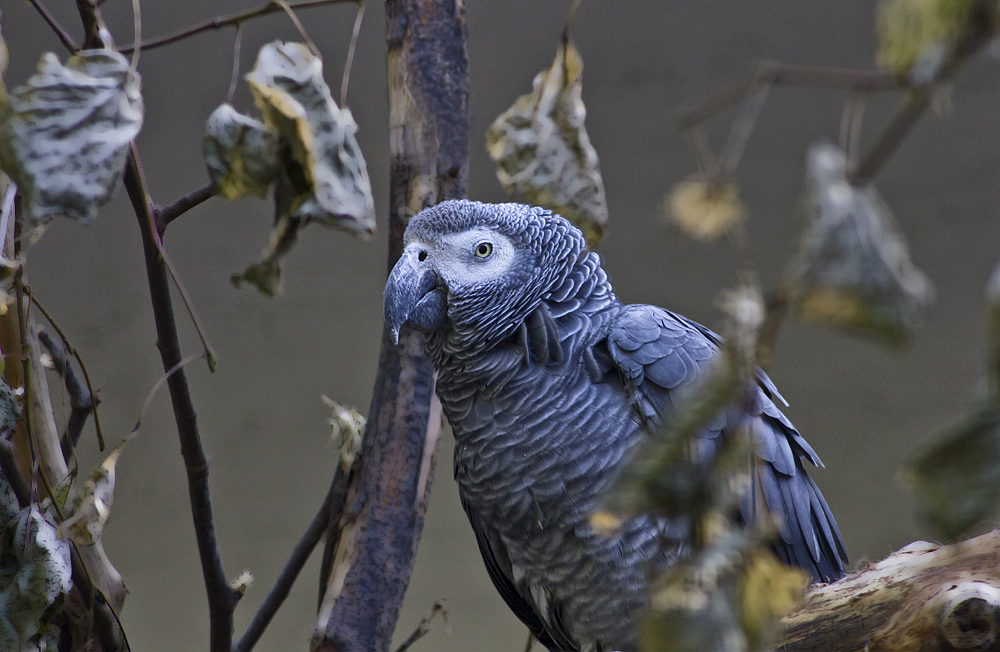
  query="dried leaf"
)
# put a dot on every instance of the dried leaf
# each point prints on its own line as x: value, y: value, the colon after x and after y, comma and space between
x: 348, y: 429
x: 35, y: 574
x: 728, y: 596
x: 325, y: 171
x: 92, y: 507
x: 955, y: 477
x: 853, y: 268
x: 240, y: 153
x: 266, y: 275
x: 10, y: 407
x: 542, y: 151
x: 65, y: 134
x: 702, y: 210
x: 917, y: 37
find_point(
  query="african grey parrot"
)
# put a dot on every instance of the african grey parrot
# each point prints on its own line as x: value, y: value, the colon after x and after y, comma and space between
x: 549, y: 383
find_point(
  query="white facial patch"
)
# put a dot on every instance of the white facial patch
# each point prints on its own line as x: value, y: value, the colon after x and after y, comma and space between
x: 456, y: 257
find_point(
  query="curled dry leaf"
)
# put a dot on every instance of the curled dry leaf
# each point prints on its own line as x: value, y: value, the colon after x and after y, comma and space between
x: 542, y: 151
x: 91, y: 508
x: 727, y: 596
x: 853, y: 268
x: 240, y: 153
x: 955, y: 477
x: 325, y: 172
x: 917, y: 37
x: 322, y: 176
x: 348, y: 429
x: 35, y: 573
x: 64, y: 135
x: 703, y: 210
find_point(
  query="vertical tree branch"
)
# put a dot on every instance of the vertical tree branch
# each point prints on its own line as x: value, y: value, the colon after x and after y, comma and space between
x: 222, y: 598
x: 374, y: 544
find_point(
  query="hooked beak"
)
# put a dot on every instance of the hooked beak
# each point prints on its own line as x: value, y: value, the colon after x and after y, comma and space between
x: 413, y: 296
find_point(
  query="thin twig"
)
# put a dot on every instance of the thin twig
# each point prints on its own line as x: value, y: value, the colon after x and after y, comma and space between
x: 235, y: 77
x: 156, y: 387
x: 891, y: 138
x: 137, y: 30
x: 424, y: 627
x: 350, y: 53
x: 8, y: 466
x: 276, y: 596
x: 224, y: 21
x: 60, y: 32
x: 76, y: 354
x: 530, y: 643
x: 570, y: 15
x: 149, y: 212
x: 80, y: 399
x: 166, y: 214
x: 774, y: 73
x: 299, y: 27
x: 222, y: 597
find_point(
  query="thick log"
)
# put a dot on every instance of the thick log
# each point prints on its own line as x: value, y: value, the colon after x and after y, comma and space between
x: 374, y: 536
x: 923, y: 597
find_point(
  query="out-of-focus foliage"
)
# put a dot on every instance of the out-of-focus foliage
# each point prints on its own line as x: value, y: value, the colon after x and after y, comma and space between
x: 542, y: 151
x: 322, y: 176
x: 955, y: 475
x: 703, y: 210
x: 65, y: 134
x: 35, y: 576
x: 240, y: 153
x: 726, y: 597
x: 663, y: 477
x: 853, y: 269
x: 918, y: 37
x: 91, y: 507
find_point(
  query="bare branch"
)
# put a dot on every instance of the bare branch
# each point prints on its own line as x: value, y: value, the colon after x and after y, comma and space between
x: 224, y: 21
x: 80, y: 399
x: 346, y: 78
x: 222, y: 598
x: 776, y: 73
x: 424, y: 627
x: 63, y: 35
x: 76, y: 354
x: 276, y: 596
x: 167, y: 214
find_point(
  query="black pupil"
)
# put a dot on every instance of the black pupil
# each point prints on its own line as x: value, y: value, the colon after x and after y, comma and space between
x: 483, y: 249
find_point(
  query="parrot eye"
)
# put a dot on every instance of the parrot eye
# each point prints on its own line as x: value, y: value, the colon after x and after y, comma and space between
x: 483, y: 250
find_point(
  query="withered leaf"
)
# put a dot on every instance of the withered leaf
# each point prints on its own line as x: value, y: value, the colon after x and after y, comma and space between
x: 65, y: 134
x: 702, y: 210
x: 266, y: 275
x: 853, y: 267
x: 323, y: 162
x: 240, y: 153
x: 542, y: 150
x: 35, y: 572
x: 955, y: 476
x: 91, y: 508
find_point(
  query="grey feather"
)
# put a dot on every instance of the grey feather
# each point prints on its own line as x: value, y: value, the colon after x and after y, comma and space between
x: 550, y: 383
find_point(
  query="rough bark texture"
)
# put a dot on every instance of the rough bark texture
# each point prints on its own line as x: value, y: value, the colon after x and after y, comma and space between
x: 924, y: 597
x: 373, y: 544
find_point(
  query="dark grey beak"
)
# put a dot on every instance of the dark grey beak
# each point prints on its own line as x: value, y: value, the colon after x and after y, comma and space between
x: 413, y: 296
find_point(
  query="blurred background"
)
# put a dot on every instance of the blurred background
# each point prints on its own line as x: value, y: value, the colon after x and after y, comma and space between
x: 262, y: 422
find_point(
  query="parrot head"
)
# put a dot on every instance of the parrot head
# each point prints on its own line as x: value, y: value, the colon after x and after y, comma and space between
x: 477, y: 270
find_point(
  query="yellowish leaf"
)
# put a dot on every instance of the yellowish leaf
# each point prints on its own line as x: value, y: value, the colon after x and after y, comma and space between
x: 917, y: 37
x: 704, y: 211
x: 91, y: 508
x: 542, y: 151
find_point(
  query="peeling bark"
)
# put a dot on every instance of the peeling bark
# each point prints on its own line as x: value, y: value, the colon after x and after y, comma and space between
x: 924, y: 597
x: 375, y: 531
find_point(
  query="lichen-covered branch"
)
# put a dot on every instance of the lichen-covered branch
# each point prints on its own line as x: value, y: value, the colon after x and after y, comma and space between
x: 371, y: 553
x: 922, y: 597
